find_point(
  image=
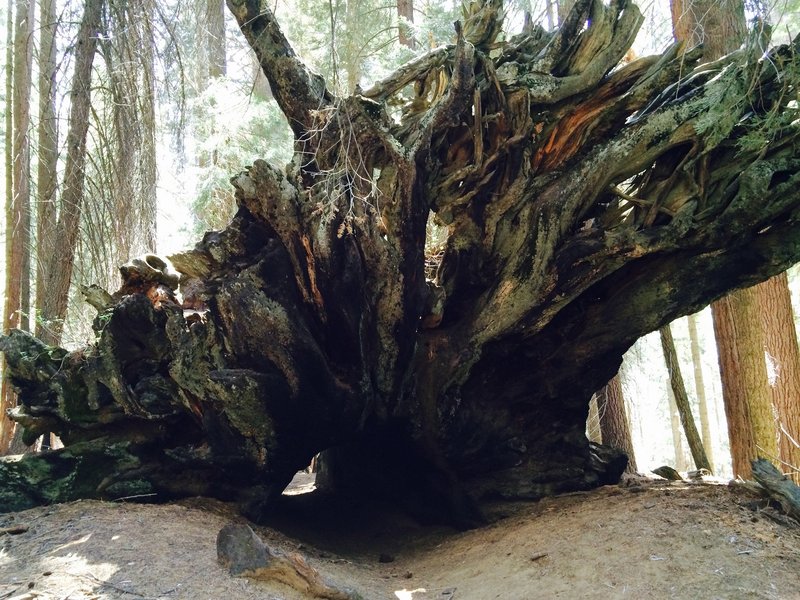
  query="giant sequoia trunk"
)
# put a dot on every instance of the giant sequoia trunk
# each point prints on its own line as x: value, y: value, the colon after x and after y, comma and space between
x: 586, y: 203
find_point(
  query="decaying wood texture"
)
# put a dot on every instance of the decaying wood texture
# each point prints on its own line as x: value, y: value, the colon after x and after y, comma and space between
x: 778, y: 486
x: 587, y: 202
x: 244, y: 554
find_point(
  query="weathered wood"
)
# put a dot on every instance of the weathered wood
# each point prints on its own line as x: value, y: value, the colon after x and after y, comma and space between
x: 244, y: 554
x: 575, y: 226
x: 668, y: 472
x: 13, y: 530
x: 297, y: 89
x: 781, y: 488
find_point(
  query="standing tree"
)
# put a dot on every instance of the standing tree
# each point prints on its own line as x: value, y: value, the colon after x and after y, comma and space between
x: 18, y: 222
x: 614, y: 427
x: 7, y: 397
x: 18, y: 216
x: 700, y: 390
x: 405, y: 19
x: 682, y: 399
x: 58, y: 270
x: 585, y: 205
x: 215, y: 41
x: 681, y: 463
x: 780, y: 340
x: 120, y: 214
x: 47, y: 164
x: 743, y: 372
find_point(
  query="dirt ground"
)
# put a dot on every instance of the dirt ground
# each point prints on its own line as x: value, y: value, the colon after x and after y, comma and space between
x: 642, y: 539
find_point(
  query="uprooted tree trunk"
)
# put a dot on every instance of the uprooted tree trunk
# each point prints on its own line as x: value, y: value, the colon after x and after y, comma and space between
x: 586, y: 203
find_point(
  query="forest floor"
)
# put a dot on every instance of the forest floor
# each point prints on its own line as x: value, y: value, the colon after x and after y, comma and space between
x: 642, y: 539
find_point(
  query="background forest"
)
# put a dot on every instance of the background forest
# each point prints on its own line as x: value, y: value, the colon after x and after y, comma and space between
x: 173, y: 104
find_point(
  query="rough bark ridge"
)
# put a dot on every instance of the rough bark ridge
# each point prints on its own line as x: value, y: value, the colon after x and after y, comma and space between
x: 587, y: 203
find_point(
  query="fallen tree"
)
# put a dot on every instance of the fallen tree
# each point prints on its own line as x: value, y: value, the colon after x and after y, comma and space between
x: 586, y: 202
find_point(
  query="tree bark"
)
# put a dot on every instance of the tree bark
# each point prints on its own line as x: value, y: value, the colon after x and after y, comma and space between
x: 780, y: 339
x: 59, y: 265
x: 18, y: 218
x: 130, y: 68
x: 405, y: 18
x: 7, y: 397
x: 682, y: 399
x: 719, y: 25
x: 779, y: 487
x: 215, y: 31
x: 614, y: 426
x: 19, y: 224
x: 748, y: 401
x: 700, y: 390
x: 47, y: 164
x: 585, y: 206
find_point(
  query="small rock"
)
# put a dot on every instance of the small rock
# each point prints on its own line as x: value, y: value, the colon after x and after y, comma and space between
x: 239, y: 549
x: 385, y: 558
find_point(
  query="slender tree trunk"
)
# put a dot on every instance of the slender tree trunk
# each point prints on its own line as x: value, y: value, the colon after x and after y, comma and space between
x: 23, y: 79
x: 700, y: 390
x: 130, y: 64
x: 743, y: 371
x: 211, y: 45
x: 215, y: 28
x: 405, y: 14
x: 675, y: 424
x: 18, y: 219
x: 682, y: 399
x: 149, y: 171
x: 47, y: 165
x: 7, y: 399
x: 351, y: 53
x: 781, y: 346
x: 614, y: 427
x: 59, y: 266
